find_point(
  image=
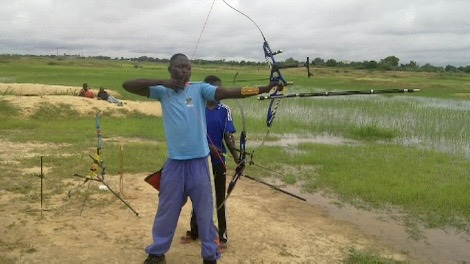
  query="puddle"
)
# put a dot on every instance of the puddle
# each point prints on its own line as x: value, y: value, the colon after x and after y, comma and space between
x: 433, y: 246
x: 287, y: 140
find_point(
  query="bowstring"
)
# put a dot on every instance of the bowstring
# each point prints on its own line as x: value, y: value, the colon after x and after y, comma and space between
x: 239, y: 104
x: 192, y: 57
x: 245, y: 15
x: 202, y: 31
x: 204, y: 127
x: 209, y: 139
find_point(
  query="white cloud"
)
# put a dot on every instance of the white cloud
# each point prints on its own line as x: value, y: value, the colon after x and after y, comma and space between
x: 431, y: 31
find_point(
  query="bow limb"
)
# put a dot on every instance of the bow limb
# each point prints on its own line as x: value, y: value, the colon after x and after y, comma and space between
x: 275, y: 76
x: 239, y: 170
x: 275, y: 72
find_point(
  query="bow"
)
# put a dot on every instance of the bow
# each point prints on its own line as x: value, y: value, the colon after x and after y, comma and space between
x: 274, y: 76
x: 98, y: 135
x: 98, y: 162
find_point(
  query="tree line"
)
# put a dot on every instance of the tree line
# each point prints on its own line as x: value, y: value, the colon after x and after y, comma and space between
x: 390, y: 63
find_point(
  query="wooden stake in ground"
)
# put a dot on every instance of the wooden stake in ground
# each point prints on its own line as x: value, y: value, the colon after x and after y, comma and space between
x: 42, y: 176
x: 42, y: 189
x: 121, y: 169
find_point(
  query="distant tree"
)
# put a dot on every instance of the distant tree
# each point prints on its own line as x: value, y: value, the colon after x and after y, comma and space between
x: 450, y: 68
x: 318, y: 62
x: 357, y: 65
x: 465, y: 69
x: 331, y: 63
x: 370, y: 65
x: 291, y: 61
x: 390, y: 60
x: 343, y: 64
x: 101, y: 57
x: 412, y: 66
x: 389, y: 63
x: 430, y: 68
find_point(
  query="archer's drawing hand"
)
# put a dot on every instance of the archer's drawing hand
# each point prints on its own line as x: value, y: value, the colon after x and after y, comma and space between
x: 175, y: 84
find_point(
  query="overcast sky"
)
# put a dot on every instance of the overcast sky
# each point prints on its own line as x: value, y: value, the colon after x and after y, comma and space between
x: 424, y: 31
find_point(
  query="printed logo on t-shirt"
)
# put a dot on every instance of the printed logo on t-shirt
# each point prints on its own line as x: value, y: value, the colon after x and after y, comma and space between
x: 189, y: 102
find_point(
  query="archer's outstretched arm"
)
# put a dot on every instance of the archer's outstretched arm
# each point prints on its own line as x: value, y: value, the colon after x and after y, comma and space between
x: 141, y: 86
x: 242, y: 92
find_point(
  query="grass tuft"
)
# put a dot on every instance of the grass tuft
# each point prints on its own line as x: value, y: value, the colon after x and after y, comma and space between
x: 372, y: 132
x: 368, y: 257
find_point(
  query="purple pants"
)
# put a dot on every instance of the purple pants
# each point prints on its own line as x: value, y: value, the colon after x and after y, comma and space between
x: 180, y: 179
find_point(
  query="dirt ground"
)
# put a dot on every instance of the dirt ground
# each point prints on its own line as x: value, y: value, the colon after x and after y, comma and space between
x: 29, y: 97
x: 264, y: 225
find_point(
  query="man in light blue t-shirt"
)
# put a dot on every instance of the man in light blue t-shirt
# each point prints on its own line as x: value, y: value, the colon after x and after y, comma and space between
x: 186, y: 173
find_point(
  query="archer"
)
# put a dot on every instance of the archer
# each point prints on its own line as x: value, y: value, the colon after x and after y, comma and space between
x: 186, y: 171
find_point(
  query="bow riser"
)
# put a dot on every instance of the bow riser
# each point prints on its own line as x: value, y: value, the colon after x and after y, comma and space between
x: 275, y: 75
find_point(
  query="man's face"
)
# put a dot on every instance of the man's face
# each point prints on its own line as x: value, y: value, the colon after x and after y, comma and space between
x: 180, y: 69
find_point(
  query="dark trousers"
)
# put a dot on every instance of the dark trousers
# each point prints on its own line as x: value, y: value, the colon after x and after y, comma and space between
x: 220, y: 176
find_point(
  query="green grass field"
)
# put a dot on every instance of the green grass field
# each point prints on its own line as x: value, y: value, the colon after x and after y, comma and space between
x: 405, y: 152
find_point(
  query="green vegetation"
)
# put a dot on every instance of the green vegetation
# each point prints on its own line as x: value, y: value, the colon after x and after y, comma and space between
x: 405, y: 152
x: 366, y: 257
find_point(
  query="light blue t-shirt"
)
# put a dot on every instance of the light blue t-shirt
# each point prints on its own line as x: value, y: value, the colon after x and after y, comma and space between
x: 184, y: 119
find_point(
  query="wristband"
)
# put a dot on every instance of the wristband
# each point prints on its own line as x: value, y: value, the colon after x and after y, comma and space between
x: 249, y: 91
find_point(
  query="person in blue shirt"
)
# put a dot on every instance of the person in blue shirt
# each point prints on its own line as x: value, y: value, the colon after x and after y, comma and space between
x: 186, y: 172
x: 220, y: 128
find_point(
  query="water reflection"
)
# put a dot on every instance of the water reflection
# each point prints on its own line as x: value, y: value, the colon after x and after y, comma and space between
x: 431, y: 246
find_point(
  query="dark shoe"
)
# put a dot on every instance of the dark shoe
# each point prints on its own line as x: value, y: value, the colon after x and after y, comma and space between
x: 152, y: 259
x: 222, y: 247
x: 188, y: 238
x: 205, y: 261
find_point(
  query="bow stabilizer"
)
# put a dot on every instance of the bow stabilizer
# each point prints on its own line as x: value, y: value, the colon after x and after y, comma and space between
x: 337, y: 93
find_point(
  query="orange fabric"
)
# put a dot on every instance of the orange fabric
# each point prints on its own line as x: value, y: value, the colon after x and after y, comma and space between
x: 154, y: 179
x: 87, y: 93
